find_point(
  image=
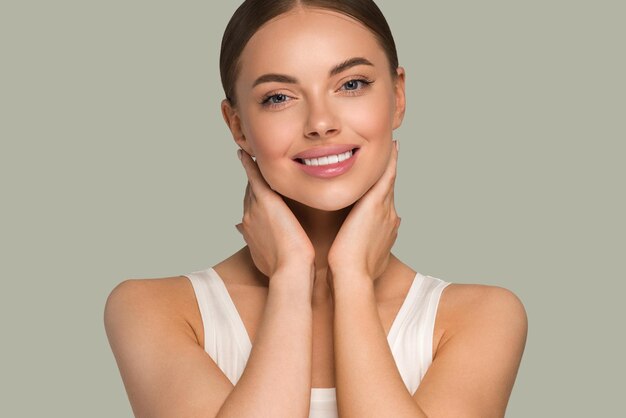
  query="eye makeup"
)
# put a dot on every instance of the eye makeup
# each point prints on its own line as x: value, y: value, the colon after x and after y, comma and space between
x: 353, y: 87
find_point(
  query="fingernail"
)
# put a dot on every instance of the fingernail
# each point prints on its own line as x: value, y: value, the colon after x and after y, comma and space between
x: 239, y: 154
x: 397, y: 145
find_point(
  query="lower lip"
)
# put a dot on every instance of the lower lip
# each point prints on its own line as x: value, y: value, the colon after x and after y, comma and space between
x: 329, y: 170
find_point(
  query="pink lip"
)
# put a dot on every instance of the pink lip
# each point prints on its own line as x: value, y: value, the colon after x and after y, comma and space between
x: 329, y: 170
x: 324, y: 151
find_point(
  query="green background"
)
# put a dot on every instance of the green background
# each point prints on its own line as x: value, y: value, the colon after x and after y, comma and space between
x: 115, y: 163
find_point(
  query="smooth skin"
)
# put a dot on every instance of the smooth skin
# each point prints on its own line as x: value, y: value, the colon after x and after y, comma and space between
x: 317, y: 286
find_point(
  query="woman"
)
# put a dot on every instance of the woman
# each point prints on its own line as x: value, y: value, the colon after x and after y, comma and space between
x: 314, y: 316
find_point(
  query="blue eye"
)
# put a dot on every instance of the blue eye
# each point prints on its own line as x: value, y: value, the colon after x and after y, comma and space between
x: 275, y: 99
x: 355, y: 84
x: 352, y: 84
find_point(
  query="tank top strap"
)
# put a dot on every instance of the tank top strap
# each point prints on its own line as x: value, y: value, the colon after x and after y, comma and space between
x: 412, y: 340
x: 225, y: 337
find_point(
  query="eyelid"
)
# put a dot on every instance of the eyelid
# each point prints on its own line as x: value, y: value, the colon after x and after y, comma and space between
x: 354, y: 77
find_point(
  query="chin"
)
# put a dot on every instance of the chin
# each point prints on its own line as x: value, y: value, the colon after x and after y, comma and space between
x: 328, y: 203
x: 330, y: 206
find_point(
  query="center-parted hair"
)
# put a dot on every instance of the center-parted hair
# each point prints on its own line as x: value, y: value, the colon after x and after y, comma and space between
x: 253, y: 14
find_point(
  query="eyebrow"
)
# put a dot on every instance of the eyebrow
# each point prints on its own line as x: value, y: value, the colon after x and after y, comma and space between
x: 279, y: 78
x: 349, y: 63
x: 337, y: 69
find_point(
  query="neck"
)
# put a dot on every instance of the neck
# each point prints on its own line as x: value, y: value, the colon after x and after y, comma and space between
x: 321, y: 227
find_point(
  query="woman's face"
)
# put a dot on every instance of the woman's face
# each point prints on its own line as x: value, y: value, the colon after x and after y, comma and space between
x: 316, y: 82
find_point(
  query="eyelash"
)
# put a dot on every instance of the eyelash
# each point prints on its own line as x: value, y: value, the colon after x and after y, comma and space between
x: 266, y: 100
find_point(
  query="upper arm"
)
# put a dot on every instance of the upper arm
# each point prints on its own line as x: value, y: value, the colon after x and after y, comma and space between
x: 165, y: 371
x: 476, y: 363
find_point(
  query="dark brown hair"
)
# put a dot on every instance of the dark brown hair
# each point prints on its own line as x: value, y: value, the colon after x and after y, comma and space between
x: 253, y: 14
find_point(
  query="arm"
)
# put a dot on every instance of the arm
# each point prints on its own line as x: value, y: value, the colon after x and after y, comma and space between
x: 167, y: 374
x: 368, y: 381
x: 277, y: 379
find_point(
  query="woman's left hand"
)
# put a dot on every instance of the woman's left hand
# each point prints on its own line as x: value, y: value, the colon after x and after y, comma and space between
x: 362, y: 246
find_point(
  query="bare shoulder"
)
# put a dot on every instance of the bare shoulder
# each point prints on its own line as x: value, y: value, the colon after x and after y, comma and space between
x: 156, y: 299
x: 159, y: 290
x: 165, y: 370
x: 482, y: 306
x: 478, y: 356
x: 466, y: 309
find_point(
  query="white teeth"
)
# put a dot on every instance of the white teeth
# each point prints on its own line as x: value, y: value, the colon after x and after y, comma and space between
x: 344, y: 156
x: 329, y: 159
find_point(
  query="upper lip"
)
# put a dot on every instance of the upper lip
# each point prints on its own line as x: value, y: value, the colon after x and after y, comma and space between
x: 324, y: 151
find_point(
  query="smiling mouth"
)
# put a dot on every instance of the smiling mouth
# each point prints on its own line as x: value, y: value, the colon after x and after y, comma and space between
x: 328, y: 159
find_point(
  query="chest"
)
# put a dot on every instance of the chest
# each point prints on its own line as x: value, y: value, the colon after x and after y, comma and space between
x: 250, y: 304
x: 323, y: 360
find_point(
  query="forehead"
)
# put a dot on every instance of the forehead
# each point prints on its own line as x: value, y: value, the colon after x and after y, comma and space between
x: 308, y: 38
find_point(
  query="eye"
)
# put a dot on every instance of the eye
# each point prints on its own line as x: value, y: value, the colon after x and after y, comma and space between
x: 274, y: 100
x: 355, y: 85
x: 352, y: 84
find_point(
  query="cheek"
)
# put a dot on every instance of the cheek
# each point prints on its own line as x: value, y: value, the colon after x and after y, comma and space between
x: 269, y: 134
x: 370, y: 117
x: 271, y: 137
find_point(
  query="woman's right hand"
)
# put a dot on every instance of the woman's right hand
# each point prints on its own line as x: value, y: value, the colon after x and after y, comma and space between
x: 273, y: 233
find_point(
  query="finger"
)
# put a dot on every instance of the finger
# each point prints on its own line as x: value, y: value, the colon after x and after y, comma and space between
x: 385, y: 185
x: 392, y: 171
x: 257, y: 182
x: 247, y: 198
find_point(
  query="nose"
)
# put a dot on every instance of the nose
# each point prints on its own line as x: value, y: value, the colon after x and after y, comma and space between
x: 321, y: 121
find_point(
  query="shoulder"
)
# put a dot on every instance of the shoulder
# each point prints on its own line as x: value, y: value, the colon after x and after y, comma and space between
x: 469, y: 311
x: 479, y: 353
x: 459, y: 301
x: 147, y: 325
x: 148, y: 288
x: 485, y: 307
x: 169, y: 301
x: 151, y: 292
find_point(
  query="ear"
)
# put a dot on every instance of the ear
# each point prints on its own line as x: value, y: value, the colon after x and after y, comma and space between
x: 233, y: 121
x: 400, y: 95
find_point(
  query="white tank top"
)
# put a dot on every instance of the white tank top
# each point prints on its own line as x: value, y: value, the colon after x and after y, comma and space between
x: 410, y: 336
